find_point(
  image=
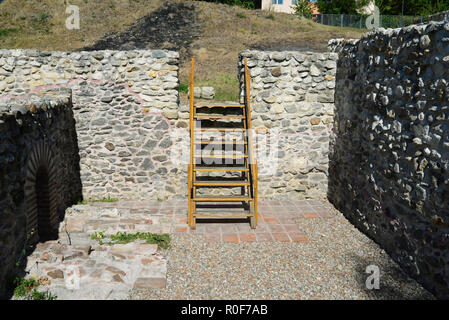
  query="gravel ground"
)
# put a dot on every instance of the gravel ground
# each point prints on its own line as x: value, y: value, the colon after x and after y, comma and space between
x: 330, y: 266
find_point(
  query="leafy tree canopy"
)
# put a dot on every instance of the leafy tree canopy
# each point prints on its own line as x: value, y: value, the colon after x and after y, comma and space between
x: 340, y: 6
x: 412, y: 7
x: 389, y: 7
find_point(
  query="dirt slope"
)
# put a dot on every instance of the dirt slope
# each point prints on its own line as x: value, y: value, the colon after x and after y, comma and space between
x: 212, y: 33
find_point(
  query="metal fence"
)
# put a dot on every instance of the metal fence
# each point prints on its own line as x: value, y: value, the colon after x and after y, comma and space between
x: 359, y: 21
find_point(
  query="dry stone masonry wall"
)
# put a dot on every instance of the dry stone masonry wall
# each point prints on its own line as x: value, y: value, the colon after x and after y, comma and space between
x: 127, y: 108
x: 389, y: 158
x: 292, y: 98
x: 39, y: 168
x: 125, y: 104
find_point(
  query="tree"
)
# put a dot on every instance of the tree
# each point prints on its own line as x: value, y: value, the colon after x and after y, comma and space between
x: 341, y: 6
x: 412, y: 7
x: 303, y: 8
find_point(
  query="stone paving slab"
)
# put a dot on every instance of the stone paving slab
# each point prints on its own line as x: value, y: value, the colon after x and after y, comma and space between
x: 78, y: 267
x: 277, y: 219
x: 97, y: 271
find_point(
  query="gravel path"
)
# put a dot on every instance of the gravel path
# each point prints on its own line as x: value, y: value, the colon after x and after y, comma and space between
x: 331, y: 265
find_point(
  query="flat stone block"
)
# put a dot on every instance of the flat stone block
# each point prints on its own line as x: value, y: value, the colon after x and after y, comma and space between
x: 157, y: 283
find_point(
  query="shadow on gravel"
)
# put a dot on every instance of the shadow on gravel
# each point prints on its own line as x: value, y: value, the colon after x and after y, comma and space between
x: 394, y: 283
x: 173, y: 27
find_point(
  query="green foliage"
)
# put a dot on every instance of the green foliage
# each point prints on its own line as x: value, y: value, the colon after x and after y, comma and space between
x: 43, y: 17
x: 7, y: 31
x: 162, y: 240
x: 183, y: 88
x: 27, y: 289
x: 303, y: 8
x: 240, y: 15
x: 42, y: 22
x: 108, y: 199
x: 412, y: 7
x: 270, y: 16
x: 340, y: 6
x: 97, y: 236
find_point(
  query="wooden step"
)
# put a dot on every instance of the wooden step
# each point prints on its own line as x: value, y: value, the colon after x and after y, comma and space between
x: 227, y: 169
x: 223, y: 129
x: 220, y: 208
x: 218, y: 117
x: 222, y: 199
x: 221, y: 156
x: 221, y: 216
x: 221, y: 183
x: 233, y: 142
x: 219, y: 105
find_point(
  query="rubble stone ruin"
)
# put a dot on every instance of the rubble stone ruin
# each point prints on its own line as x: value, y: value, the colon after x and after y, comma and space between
x: 365, y: 125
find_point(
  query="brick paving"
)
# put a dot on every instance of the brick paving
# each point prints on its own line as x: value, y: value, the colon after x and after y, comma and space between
x: 109, y: 271
x: 277, y: 220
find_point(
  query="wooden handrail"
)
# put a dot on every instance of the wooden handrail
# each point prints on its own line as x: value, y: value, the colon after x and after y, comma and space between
x: 190, y: 167
x: 253, y: 160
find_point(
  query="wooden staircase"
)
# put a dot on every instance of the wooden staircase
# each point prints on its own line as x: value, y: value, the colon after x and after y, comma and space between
x: 222, y: 173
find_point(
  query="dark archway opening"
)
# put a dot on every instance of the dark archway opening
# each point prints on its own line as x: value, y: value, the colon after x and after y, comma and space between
x: 44, y: 226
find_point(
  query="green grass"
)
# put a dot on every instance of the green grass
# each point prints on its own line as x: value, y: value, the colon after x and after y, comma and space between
x: 226, y: 86
x: 8, y: 31
x: 162, y: 240
x: 240, y: 15
x: 27, y: 289
x: 183, y: 88
x: 108, y: 199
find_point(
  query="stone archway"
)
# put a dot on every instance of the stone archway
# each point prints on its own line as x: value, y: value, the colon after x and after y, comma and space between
x: 41, y: 194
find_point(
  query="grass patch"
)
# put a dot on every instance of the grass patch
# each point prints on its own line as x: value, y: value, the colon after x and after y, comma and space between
x: 8, y: 31
x: 108, y: 199
x: 226, y: 86
x: 226, y: 31
x: 183, y: 88
x: 162, y: 240
x: 27, y: 290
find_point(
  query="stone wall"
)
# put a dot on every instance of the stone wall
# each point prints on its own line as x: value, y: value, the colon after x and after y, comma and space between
x: 292, y: 97
x: 125, y: 105
x: 39, y: 168
x: 389, y: 157
x: 127, y: 108
x: 441, y: 16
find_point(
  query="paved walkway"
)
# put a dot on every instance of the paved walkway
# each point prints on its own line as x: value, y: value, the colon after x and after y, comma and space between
x: 292, y: 237
x: 277, y: 220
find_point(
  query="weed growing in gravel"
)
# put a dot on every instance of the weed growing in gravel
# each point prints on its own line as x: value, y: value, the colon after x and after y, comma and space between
x: 240, y: 15
x: 162, y: 240
x: 27, y: 289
